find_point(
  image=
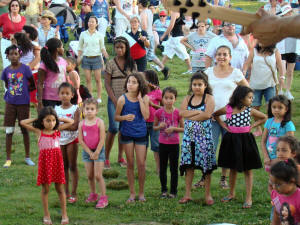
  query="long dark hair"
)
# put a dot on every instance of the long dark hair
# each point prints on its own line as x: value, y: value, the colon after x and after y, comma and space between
x: 23, y: 42
x: 9, y: 5
x: 141, y: 81
x: 33, y: 34
x: 47, y: 53
x: 129, y: 62
x: 239, y: 93
x: 287, y: 103
x: 200, y: 75
x: 152, y: 78
x: 290, y: 218
x: 265, y: 49
x: 285, y: 170
x: 43, y: 113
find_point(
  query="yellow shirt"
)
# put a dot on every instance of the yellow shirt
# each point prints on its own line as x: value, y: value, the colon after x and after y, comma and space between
x: 91, y: 44
x: 33, y: 8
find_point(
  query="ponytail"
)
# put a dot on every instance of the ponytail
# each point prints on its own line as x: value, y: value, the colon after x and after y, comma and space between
x: 47, y: 53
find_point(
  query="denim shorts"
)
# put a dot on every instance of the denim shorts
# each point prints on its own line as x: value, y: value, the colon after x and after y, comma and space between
x: 91, y: 63
x: 153, y: 135
x: 268, y: 93
x: 135, y: 140
x: 113, y: 126
x: 86, y: 156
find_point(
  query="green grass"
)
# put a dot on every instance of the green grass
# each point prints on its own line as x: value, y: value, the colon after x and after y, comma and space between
x: 20, y: 197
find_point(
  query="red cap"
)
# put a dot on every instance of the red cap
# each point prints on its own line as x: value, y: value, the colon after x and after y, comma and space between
x: 163, y: 13
x: 86, y: 2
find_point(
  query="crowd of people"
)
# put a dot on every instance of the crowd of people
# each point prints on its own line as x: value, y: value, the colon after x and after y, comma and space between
x: 229, y: 75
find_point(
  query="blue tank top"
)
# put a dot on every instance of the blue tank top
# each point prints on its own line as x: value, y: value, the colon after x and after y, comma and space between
x: 100, y: 9
x: 137, y: 127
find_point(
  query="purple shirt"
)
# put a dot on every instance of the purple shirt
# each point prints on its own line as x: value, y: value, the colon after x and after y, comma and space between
x: 155, y: 97
x: 17, y: 84
x: 171, y: 119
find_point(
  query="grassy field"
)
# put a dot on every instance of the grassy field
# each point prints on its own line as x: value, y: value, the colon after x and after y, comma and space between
x: 20, y: 197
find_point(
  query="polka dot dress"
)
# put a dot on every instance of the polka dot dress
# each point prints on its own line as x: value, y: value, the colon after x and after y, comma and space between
x: 50, y: 165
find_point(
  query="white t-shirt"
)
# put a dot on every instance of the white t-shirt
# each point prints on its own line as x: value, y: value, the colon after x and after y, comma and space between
x: 223, y: 87
x: 288, y: 45
x: 126, y: 5
x: 67, y: 136
x: 239, y: 54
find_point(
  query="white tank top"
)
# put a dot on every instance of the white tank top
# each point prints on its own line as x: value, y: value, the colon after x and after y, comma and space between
x: 66, y: 135
x: 261, y: 74
x: 126, y: 5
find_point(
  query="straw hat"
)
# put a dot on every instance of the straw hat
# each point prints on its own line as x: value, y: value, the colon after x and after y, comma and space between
x: 50, y: 15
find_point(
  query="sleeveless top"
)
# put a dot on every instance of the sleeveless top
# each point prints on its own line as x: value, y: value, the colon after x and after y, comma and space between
x: 149, y: 22
x: 27, y: 58
x: 261, y: 74
x: 91, y: 134
x: 100, y: 9
x: 240, y: 122
x: 49, y: 141
x: 67, y: 136
x: 137, y: 127
x: 177, y: 29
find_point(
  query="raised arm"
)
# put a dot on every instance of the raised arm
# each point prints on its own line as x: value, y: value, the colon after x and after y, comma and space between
x: 144, y: 106
x: 27, y: 124
x: 119, y: 8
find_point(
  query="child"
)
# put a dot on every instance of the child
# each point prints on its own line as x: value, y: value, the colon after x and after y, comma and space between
x: 18, y: 81
x: 287, y: 147
x: 168, y: 121
x: 154, y: 95
x: 91, y: 137
x: 238, y: 150
x: 133, y: 111
x: 68, y: 139
x: 50, y: 168
x: 90, y: 50
x: 284, y: 175
x: 197, y: 150
x: 73, y: 77
x: 278, y: 124
x: 52, y: 73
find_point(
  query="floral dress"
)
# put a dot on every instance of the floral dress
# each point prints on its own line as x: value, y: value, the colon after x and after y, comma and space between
x: 197, y: 149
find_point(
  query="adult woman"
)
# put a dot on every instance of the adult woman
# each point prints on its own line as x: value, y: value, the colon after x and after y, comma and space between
x: 91, y: 45
x: 45, y: 31
x: 11, y: 23
x: 101, y: 10
x: 223, y: 79
x: 273, y: 7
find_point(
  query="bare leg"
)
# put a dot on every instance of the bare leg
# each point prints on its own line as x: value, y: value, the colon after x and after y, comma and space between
x: 158, y: 62
x: 44, y: 197
x: 26, y: 142
x: 207, y: 181
x: 289, y: 75
x: 109, y: 141
x: 249, y: 185
x: 72, y: 151
x: 188, y: 63
x: 129, y: 151
x: 62, y: 198
x: 8, y: 145
x: 88, y: 78
x: 98, y: 168
x: 140, y: 152
x: 98, y: 82
x: 188, y: 182
x: 165, y: 59
x: 121, y: 147
x: 232, y: 182
x: 156, y: 157
x: 66, y: 166
x: 89, y: 167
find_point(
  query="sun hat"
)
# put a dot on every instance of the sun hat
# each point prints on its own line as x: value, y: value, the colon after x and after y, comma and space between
x: 285, y: 9
x: 163, y: 13
x: 50, y: 15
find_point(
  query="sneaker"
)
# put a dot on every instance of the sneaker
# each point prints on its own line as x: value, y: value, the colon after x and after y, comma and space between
x: 29, y: 162
x: 188, y: 72
x: 102, y: 203
x: 99, y: 100
x: 289, y: 95
x: 93, y: 197
x: 156, y: 67
x: 7, y: 164
x: 106, y: 164
x: 122, y: 162
x: 223, y: 183
x: 166, y: 72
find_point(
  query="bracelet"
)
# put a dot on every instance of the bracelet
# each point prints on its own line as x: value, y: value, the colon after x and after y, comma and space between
x: 282, y: 77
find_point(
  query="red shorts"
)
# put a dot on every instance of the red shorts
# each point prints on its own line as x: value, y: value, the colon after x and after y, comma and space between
x: 32, y: 94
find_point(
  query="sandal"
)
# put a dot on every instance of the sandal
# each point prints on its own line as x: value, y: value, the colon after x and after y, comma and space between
x: 247, y: 205
x: 130, y: 200
x: 142, y: 199
x: 184, y: 200
x: 64, y: 221
x: 47, y: 221
x: 200, y: 183
x: 72, y: 199
x: 227, y: 199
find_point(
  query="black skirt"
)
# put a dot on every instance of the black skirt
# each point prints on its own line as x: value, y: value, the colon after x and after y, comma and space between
x: 239, y: 151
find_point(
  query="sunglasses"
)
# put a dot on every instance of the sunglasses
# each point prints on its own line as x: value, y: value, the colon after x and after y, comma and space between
x: 162, y: 16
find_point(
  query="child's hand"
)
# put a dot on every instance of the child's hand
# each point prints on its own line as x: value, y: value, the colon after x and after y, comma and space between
x: 170, y: 130
x: 267, y: 161
x: 91, y: 155
x: 129, y: 117
x: 139, y: 96
x: 95, y: 155
x: 162, y: 125
x: 143, y: 38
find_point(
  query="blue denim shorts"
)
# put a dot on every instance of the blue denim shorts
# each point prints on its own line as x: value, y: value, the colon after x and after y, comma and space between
x: 268, y: 93
x: 86, y: 156
x: 91, y: 63
x: 153, y: 135
x: 135, y: 140
x: 113, y: 126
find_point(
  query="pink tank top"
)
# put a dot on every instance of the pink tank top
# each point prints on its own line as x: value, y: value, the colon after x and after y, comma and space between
x: 91, y: 134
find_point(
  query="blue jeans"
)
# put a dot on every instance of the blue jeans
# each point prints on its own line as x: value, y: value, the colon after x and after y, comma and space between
x: 268, y: 93
x: 113, y: 126
x: 217, y: 130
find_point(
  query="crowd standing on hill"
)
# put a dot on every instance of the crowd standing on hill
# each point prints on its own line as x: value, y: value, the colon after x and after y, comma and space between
x: 230, y: 72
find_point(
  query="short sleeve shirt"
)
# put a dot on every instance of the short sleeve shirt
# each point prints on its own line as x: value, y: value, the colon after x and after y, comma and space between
x: 91, y: 44
x: 274, y: 132
x: 155, y: 96
x: 17, y: 84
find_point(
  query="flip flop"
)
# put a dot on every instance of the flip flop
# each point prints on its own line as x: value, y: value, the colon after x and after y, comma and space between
x: 227, y: 199
x: 47, y: 221
x: 72, y: 199
x: 142, y: 199
x: 184, y: 200
x: 247, y: 205
x: 65, y: 221
x: 130, y: 200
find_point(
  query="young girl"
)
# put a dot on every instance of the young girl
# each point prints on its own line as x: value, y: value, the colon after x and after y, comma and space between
x: 133, y: 111
x: 90, y: 50
x: 287, y: 147
x: 284, y: 175
x: 197, y: 150
x: 154, y: 95
x: 238, y: 150
x: 73, y: 77
x: 68, y: 139
x: 52, y: 73
x: 91, y: 137
x: 117, y: 70
x: 278, y: 124
x: 18, y: 81
x: 50, y: 168
x: 168, y: 121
